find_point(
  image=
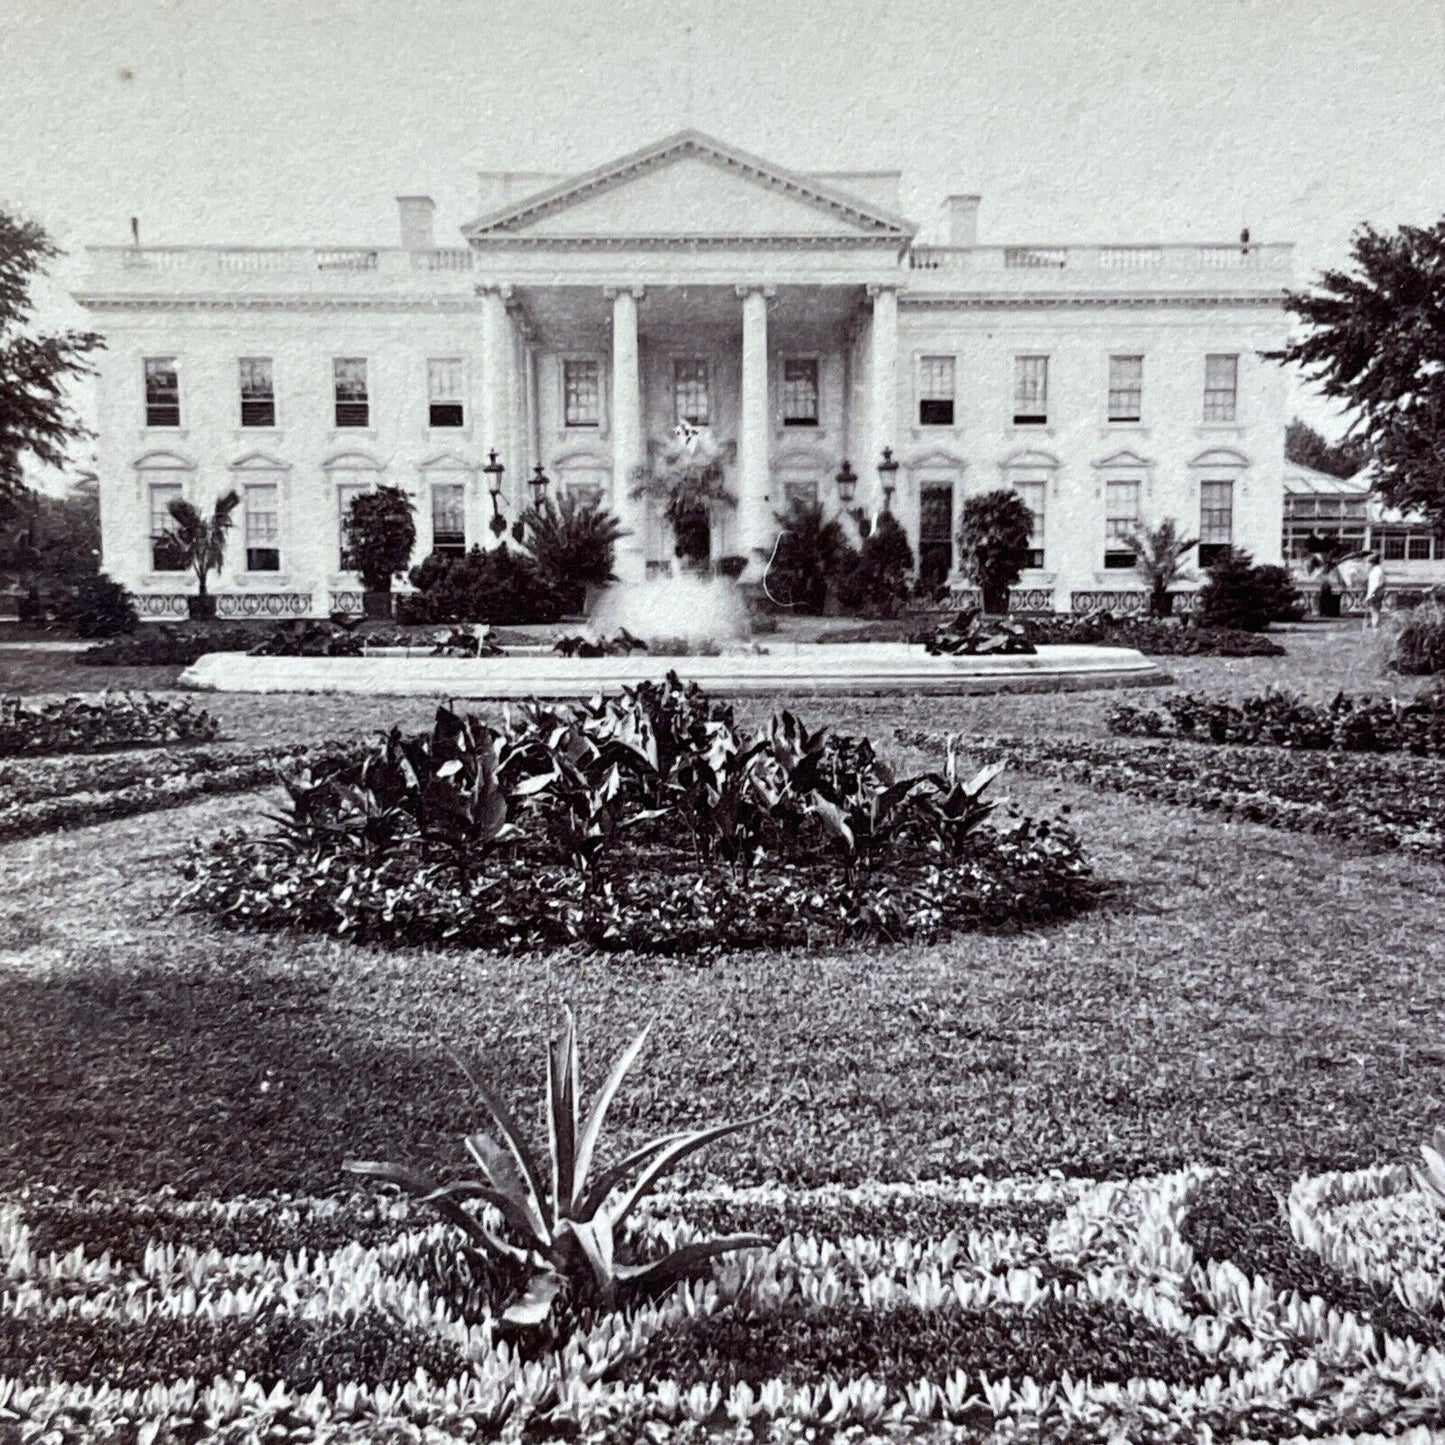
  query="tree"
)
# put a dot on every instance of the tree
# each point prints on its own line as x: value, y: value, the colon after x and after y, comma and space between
x: 994, y: 529
x: 1375, y: 339
x: 35, y: 414
x: 1240, y: 594
x: 811, y: 552
x: 1158, y: 559
x: 200, y: 541
x: 878, y: 578
x: 1306, y: 447
x: 380, y: 536
x: 574, y: 542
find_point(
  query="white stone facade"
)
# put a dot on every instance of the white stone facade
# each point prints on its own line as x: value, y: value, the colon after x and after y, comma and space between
x: 800, y: 315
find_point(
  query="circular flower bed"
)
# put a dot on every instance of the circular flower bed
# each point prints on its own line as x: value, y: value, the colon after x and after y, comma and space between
x: 643, y: 823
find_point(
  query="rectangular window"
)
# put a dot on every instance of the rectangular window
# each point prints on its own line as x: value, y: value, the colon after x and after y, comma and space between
x: 581, y: 393
x: 1031, y: 390
x: 1121, y: 516
x: 800, y: 392
x: 1216, y: 521
x: 263, y: 528
x: 345, y: 493
x: 258, y: 392
x: 444, y: 387
x: 165, y: 555
x: 163, y: 391
x: 935, y: 391
x: 799, y: 494
x: 689, y: 390
x: 935, y: 535
x: 1032, y: 494
x: 1221, y: 387
x: 353, y: 404
x: 1126, y: 388
x: 449, y: 519
x: 1391, y: 545
x: 1418, y: 548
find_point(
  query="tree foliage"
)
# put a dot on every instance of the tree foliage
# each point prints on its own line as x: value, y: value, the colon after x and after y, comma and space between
x: 1375, y: 339
x: 993, y: 543
x: 1306, y: 447
x: 35, y: 412
x: 380, y: 536
x: 574, y: 542
x: 811, y: 553
x: 199, y: 540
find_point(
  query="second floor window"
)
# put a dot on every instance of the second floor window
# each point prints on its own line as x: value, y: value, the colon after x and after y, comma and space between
x: 444, y: 380
x: 258, y: 392
x: 689, y: 390
x: 1221, y: 388
x: 1031, y: 390
x: 1121, y: 517
x: 1126, y: 388
x: 163, y: 391
x: 935, y: 391
x: 1032, y: 494
x: 353, y: 403
x: 800, y: 391
x: 1216, y: 520
x: 449, y: 519
x: 581, y: 393
x: 165, y: 555
x: 263, y: 531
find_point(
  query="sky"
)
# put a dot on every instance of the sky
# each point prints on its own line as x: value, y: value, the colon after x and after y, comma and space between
x: 296, y: 121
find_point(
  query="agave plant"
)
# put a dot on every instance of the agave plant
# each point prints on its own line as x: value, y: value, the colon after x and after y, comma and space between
x: 560, y: 1221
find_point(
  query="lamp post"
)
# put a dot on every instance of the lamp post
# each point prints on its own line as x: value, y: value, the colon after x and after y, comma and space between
x: 494, y: 472
x: 888, y: 477
x: 539, y: 482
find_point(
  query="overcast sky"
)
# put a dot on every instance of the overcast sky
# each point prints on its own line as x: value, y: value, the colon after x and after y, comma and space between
x: 1077, y: 120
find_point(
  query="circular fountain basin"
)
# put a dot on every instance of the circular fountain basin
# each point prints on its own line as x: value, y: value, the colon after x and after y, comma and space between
x: 864, y: 668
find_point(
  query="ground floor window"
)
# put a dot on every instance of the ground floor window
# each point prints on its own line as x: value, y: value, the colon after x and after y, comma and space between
x: 346, y: 492
x: 165, y: 554
x: 1121, y: 517
x: 1216, y: 520
x: 1398, y: 544
x: 263, y: 532
x: 1032, y: 494
x: 449, y: 518
x: 801, y: 492
x: 935, y: 534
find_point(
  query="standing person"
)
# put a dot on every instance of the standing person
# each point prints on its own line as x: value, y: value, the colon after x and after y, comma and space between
x: 1374, y: 592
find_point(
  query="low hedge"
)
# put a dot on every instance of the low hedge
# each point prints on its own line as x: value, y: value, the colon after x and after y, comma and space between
x: 1345, y: 724
x: 1155, y: 637
x: 86, y: 724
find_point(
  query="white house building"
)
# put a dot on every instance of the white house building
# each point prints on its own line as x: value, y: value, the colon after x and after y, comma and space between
x: 797, y: 316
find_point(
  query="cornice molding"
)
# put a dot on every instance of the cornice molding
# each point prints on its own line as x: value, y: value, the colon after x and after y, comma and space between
x: 1040, y: 300
x: 507, y: 241
x: 304, y: 302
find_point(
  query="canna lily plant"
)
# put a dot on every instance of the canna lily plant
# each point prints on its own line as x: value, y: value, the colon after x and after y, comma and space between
x: 1431, y: 1178
x: 562, y: 1222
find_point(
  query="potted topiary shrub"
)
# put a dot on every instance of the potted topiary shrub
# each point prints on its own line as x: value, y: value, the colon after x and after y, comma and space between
x: 380, y: 536
x: 200, y: 543
x: 994, y: 529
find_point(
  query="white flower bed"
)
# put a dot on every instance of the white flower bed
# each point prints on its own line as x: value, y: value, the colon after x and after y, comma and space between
x: 1274, y: 1366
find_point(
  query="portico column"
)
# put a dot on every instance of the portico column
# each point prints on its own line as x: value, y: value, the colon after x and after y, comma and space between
x: 754, y: 469
x: 627, y: 450
x: 497, y: 368
x: 882, y: 390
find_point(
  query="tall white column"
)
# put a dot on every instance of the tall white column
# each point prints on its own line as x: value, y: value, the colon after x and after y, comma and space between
x: 755, y: 523
x: 497, y: 371
x: 882, y: 392
x: 627, y: 442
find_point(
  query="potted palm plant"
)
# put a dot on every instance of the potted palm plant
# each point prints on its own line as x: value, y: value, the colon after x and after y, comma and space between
x: 380, y: 537
x: 994, y: 529
x: 1159, y: 560
x: 689, y: 482
x: 200, y: 542
x: 574, y: 541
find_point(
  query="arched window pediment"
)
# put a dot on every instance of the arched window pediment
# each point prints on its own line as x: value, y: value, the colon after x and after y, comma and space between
x: 160, y: 461
x: 803, y: 458
x: 1030, y: 459
x: 447, y: 462
x: 1125, y: 460
x: 1220, y: 457
x: 351, y: 462
x: 580, y: 459
x: 259, y: 462
x: 936, y: 459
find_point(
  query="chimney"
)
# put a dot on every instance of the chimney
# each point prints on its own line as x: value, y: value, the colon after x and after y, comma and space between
x: 962, y: 220
x: 417, y: 214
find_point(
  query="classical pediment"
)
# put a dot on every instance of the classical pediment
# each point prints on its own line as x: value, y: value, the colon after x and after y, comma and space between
x: 690, y: 187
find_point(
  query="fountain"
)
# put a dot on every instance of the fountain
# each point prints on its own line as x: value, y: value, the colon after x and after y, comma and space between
x: 688, y: 607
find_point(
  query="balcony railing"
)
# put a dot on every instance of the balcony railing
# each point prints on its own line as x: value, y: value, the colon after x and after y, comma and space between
x: 132, y: 262
x: 1273, y: 260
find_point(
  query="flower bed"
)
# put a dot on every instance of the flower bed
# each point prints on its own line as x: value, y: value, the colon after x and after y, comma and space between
x: 644, y: 823
x: 99, y: 723
x: 40, y: 795
x: 1381, y: 801
x: 1151, y: 636
x: 1346, y: 724
x: 1046, y: 1310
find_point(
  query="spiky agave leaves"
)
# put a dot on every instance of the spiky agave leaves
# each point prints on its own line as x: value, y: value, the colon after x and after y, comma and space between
x: 561, y: 1221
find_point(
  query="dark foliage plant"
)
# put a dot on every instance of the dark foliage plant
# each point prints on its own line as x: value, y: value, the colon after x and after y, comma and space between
x: 162, y: 644
x: 877, y: 579
x: 380, y: 536
x: 97, y: 724
x: 1246, y: 597
x: 573, y: 541
x: 1154, y: 637
x: 972, y: 634
x: 993, y: 543
x: 500, y: 586
x: 99, y: 607
x: 811, y: 552
x: 1419, y: 646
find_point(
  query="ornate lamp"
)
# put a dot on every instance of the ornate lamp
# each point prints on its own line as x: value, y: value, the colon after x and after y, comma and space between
x: 888, y: 477
x: 539, y: 481
x: 847, y: 480
x: 495, y: 471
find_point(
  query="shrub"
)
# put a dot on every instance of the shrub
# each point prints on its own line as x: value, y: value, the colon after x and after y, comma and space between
x: 100, y: 607
x: 573, y: 543
x: 1158, y: 559
x: 501, y: 586
x: 876, y: 580
x: 1247, y: 597
x: 811, y: 552
x: 379, y: 536
x: 1155, y: 638
x: 94, y: 724
x: 994, y: 529
x: 166, y: 644
x: 1419, y: 646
